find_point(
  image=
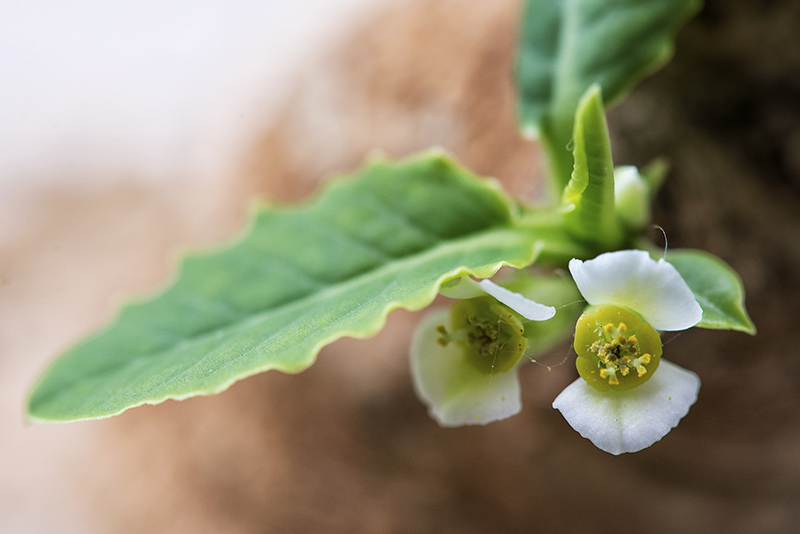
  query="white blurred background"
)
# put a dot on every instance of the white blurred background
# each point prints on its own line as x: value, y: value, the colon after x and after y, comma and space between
x: 152, y: 89
x: 97, y: 95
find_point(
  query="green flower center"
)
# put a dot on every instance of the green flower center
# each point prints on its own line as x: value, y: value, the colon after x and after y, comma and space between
x: 616, y: 349
x: 490, y: 334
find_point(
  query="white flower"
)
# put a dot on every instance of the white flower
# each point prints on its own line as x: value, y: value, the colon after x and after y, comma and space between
x: 615, y: 404
x: 466, y: 373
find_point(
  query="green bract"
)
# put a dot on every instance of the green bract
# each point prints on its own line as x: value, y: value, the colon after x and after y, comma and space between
x: 300, y: 279
x: 588, y: 200
x: 717, y: 288
x: 568, y: 45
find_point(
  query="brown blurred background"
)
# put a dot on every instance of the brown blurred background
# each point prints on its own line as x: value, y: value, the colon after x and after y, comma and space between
x: 346, y: 446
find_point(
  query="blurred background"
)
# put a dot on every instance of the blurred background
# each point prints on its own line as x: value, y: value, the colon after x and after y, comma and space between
x: 131, y: 133
x: 124, y: 129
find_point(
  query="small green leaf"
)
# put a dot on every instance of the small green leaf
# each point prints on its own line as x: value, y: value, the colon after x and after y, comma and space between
x: 588, y: 200
x: 568, y: 45
x: 300, y: 279
x: 717, y: 288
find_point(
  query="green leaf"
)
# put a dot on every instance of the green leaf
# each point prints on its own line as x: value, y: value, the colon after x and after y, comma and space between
x: 588, y: 200
x: 300, y: 279
x: 568, y: 45
x: 717, y: 288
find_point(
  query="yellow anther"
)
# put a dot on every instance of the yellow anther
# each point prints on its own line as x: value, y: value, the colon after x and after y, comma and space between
x: 611, y: 374
x: 621, y: 354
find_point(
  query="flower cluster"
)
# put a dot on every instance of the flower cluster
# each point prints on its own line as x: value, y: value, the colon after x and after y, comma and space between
x: 464, y: 362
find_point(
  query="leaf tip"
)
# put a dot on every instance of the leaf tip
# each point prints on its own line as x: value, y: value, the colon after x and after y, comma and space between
x: 747, y: 326
x: 592, y: 97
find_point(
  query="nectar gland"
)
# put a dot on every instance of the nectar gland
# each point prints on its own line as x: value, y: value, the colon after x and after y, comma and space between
x: 616, y: 349
x: 490, y: 334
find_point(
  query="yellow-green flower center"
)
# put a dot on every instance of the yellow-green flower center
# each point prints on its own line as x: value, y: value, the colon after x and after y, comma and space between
x: 490, y: 334
x: 616, y: 349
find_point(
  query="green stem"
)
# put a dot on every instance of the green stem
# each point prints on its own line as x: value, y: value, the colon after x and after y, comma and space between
x: 556, y: 245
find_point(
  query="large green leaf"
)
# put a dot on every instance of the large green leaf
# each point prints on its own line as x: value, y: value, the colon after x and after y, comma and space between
x: 717, y: 288
x: 568, y: 45
x: 588, y: 199
x: 300, y: 279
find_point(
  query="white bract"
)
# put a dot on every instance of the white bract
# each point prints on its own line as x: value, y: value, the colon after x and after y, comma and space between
x: 615, y: 404
x: 632, y: 420
x: 527, y: 308
x: 632, y: 279
x: 464, y: 376
x: 467, y: 288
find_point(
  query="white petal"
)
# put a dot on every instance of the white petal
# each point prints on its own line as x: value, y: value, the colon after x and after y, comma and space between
x: 455, y: 392
x: 631, y: 278
x: 629, y: 421
x: 526, y: 307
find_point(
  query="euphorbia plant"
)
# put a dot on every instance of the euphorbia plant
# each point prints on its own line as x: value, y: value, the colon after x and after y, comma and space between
x: 396, y: 234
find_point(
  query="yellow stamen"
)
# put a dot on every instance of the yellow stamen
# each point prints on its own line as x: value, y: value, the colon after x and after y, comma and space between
x: 621, y: 354
x: 611, y: 374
